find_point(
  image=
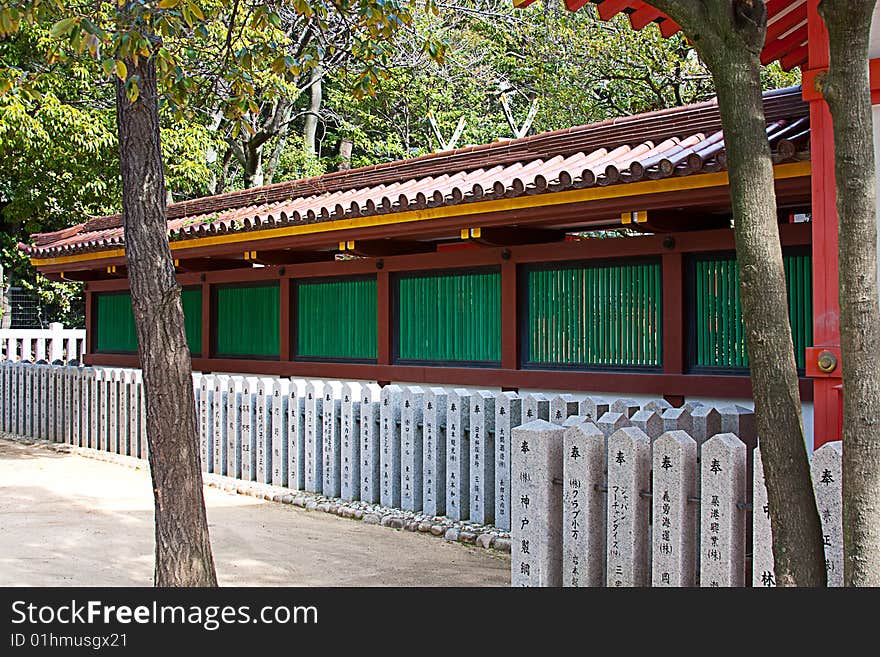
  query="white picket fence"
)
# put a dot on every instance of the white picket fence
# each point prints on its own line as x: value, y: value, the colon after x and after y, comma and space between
x: 579, y: 488
x: 53, y: 344
x: 632, y: 509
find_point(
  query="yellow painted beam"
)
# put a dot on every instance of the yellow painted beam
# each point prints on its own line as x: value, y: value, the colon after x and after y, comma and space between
x: 677, y: 183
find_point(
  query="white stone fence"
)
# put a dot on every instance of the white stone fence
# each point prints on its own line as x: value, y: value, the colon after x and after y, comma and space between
x: 578, y: 477
x: 631, y: 507
x: 52, y: 345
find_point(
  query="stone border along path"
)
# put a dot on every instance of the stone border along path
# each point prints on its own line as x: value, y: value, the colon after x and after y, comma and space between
x: 468, y: 533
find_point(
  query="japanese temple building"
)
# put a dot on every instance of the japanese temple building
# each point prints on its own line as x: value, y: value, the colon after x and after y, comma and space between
x: 491, y: 265
x: 498, y: 265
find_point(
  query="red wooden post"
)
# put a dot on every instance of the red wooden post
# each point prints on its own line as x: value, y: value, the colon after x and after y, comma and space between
x: 826, y: 310
x: 384, y: 319
x: 91, y: 324
x: 207, y: 348
x: 509, y: 317
x: 286, y: 317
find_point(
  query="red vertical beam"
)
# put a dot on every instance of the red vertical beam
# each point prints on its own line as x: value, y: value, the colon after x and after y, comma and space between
x: 674, y: 337
x: 91, y: 324
x: 383, y: 317
x: 286, y: 319
x: 826, y: 310
x: 509, y: 317
x: 206, y: 320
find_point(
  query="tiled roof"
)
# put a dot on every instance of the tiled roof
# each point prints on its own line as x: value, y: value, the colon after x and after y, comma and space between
x: 675, y: 142
x: 785, y: 41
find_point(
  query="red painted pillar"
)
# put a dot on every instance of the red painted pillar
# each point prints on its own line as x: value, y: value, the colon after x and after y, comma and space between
x: 826, y: 311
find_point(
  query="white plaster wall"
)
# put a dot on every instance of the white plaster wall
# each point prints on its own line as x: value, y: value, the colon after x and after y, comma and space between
x: 874, y: 45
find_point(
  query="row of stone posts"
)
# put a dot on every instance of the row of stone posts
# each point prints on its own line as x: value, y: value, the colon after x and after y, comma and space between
x: 98, y: 408
x: 595, y: 506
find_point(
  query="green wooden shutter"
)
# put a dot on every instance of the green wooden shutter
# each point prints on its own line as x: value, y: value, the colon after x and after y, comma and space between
x: 191, y: 298
x: 336, y: 319
x: 450, y: 318
x: 720, y: 340
x: 116, y: 332
x: 595, y: 315
x: 248, y: 319
x: 116, y: 329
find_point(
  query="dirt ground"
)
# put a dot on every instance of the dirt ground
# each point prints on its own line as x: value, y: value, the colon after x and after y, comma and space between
x: 66, y: 520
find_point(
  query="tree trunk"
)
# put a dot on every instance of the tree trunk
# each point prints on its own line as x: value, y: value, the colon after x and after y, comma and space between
x: 252, y: 171
x: 847, y: 90
x: 183, y: 549
x: 310, y: 129
x: 729, y: 35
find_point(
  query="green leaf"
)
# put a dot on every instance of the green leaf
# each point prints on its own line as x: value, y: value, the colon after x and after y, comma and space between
x: 63, y: 27
x: 132, y: 91
x: 168, y: 4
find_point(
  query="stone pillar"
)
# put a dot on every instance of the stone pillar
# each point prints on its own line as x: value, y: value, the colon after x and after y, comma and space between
x: 723, y: 518
x: 535, y: 406
x: 206, y: 422
x: 369, y: 437
x: 674, y: 558
x: 314, y: 408
x: 458, y: 456
x: 508, y: 414
x: 562, y: 407
x: 659, y: 406
x: 827, y: 470
x: 263, y: 429
x: 649, y: 422
x: 706, y: 422
x: 411, y: 446
x: 592, y: 408
x: 389, y: 453
x: 678, y: 419
x: 350, y: 465
x: 482, y: 465
x: 612, y: 422
x: 627, y: 407
x: 332, y: 438
x: 124, y: 408
x: 628, y: 542
x: 740, y: 421
x: 583, y: 505
x: 536, y: 517
x: 296, y: 434
x: 69, y: 421
x: 219, y: 406
x: 97, y: 414
x: 280, y: 395
x: 434, y: 452
x: 248, y: 433
x: 134, y: 418
x: 234, y: 394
